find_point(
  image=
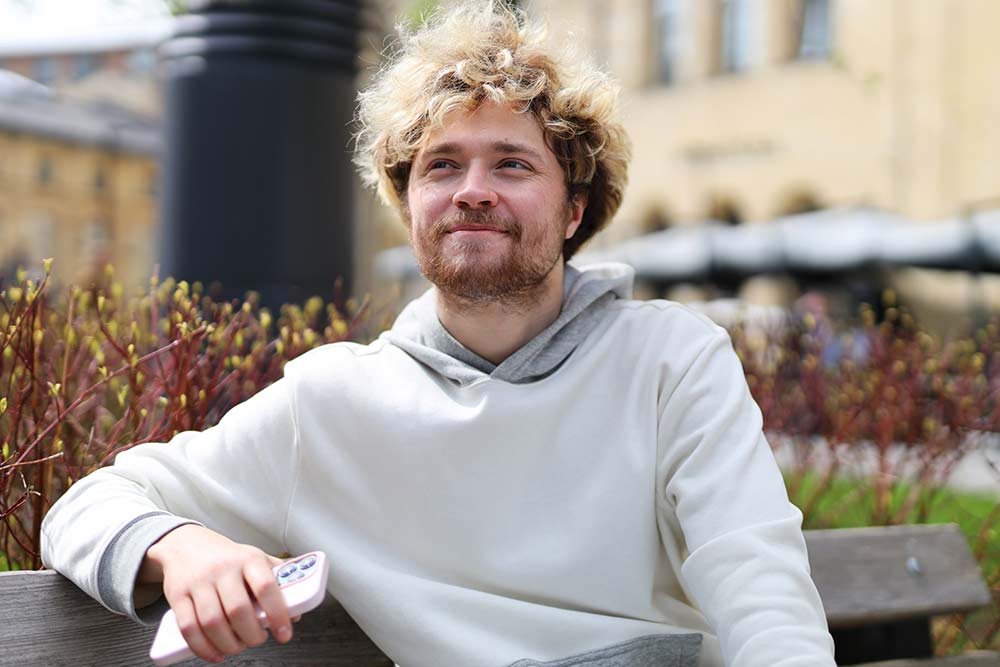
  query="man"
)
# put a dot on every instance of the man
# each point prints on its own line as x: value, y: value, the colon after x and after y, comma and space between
x: 528, y: 467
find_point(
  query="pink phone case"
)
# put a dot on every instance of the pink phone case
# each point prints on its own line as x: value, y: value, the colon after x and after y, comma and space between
x: 302, y: 581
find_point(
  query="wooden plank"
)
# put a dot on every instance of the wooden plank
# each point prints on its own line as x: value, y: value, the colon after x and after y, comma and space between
x: 865, y: 575
x: 875, y: 575
x: 974, y: 659
x: 46, y: 620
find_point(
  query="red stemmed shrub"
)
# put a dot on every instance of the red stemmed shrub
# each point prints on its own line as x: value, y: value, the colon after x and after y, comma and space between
x: 89, y: 373
x: 869, y: 421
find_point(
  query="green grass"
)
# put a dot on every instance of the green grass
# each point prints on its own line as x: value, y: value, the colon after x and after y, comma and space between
x: 850, y: 503
x: 7, y: 566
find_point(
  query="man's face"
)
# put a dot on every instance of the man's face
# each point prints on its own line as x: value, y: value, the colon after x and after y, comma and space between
x: 487, y: 206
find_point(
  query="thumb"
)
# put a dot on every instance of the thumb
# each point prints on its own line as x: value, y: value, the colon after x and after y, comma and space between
x: 275, y: 562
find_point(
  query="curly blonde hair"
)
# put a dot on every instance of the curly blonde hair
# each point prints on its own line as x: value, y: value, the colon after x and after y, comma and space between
x: 485, y: 50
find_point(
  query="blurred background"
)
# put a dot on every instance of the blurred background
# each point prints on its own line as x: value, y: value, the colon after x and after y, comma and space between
x: 782, y: 147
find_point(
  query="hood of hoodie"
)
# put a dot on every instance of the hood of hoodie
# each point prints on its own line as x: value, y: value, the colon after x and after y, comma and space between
x: 587, y: 292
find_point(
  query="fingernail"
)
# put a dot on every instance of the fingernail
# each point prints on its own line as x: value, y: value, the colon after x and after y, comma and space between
x: 284, y: 633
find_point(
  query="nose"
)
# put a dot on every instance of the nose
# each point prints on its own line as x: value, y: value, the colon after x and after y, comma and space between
x: 475, y: 191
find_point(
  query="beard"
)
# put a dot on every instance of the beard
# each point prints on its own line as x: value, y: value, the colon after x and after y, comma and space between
x: 475, y: 271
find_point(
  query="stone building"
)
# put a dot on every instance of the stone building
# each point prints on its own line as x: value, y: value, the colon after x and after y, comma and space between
x: 63, y: 61
x: 744, y: 110
x: 78, y: 182
x: 739, y: 110
x: 79, y: 152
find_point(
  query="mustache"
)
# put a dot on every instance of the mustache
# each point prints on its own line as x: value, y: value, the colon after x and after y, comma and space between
x: 482, y: 218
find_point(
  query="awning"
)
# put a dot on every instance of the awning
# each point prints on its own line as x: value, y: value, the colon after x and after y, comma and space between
x: 836, y: 240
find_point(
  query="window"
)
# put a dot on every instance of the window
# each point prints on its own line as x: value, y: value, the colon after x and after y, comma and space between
x: 84, y: 64
x: 141, y: 61
x: 655, y: 219
x: 153, y: 184
x: 799, y: 202
x: 814, y: 30
x: 666, y: 33
x: 46, y: 71
x: 94, y: 241
x: 41, y: 238
x: 735, y: 35
x: 724, y: 210
x: 100, y: 179
x: 44, y: 173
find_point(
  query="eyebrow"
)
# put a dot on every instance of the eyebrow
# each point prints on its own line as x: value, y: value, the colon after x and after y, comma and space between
x: 451, y: 148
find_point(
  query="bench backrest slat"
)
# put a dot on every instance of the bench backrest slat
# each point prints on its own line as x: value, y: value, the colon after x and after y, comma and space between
x: 875, y: 575
x: 862, y: 575
x: 46, y: 620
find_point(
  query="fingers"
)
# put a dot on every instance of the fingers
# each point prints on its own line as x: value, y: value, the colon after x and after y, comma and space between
x: 211, y: 584
x: 240, y: 610
x: 260, y: 580
x: 187, y: 621
x: 214, y: 622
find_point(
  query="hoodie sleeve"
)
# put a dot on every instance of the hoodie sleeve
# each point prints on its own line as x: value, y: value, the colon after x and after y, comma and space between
x: 234, y: 478
x: 747, y: 568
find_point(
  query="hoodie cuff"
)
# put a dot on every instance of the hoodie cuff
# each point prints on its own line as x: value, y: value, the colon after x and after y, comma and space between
x: 120, y: 564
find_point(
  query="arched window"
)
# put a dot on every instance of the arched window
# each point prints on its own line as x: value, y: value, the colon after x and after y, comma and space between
x: 724, y: 210
x: 654, y: 219
x: 799, y: 202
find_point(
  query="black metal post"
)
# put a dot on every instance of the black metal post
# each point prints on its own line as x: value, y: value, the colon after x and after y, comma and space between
x: 257, y: 195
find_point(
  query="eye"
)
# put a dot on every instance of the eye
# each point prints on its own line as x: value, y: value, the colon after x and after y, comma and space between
x: 511, y: 163
x: 438, y: 164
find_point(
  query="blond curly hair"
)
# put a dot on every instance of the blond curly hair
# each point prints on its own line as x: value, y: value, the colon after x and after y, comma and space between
x: 485, y: 50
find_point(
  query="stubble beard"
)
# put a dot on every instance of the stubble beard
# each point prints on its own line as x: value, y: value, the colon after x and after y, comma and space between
x: 473, y: 274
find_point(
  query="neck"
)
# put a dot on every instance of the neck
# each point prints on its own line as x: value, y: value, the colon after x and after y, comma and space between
x: 496, y: 329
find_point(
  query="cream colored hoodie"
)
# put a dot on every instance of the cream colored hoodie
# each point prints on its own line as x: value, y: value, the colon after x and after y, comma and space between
x: 609, y: 481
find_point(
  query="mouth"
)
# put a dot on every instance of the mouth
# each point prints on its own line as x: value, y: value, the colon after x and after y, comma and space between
x: 475, y: 229
x: 474, y: 233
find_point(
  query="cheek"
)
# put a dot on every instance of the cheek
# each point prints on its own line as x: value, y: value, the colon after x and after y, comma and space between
x: 429, y: 203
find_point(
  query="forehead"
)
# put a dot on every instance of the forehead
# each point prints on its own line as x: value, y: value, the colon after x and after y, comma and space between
x: 484, y: 127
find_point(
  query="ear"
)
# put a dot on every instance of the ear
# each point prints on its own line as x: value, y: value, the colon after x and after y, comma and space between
x: 576, y: 208
x: 403, y: 208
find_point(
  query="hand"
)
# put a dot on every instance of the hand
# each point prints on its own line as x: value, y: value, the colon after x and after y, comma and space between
x: 211, y: 584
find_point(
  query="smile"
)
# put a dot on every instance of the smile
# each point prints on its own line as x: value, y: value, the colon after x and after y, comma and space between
x: 475, y: 230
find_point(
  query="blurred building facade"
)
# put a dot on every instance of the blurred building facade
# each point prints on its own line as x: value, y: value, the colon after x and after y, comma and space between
x: 745, y: 110
x: 79, y: 153
x: 78, y: 182
x: 739, y: 110
x: 116, y: 63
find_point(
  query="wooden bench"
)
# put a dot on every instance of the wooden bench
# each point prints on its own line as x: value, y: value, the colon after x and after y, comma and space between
x: 880, y: 586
